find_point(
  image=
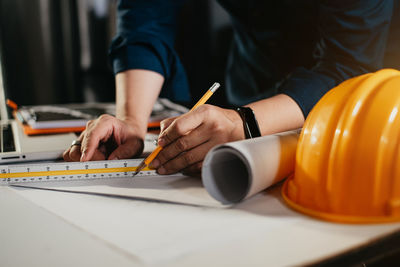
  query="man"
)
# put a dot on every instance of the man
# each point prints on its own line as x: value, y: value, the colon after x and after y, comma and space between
x: 286, y: 55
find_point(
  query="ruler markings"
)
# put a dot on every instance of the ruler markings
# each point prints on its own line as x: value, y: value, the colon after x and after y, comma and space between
x: 69, y: 171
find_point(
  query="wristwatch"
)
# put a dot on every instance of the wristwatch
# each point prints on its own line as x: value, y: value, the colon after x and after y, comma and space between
x: 250, y: 124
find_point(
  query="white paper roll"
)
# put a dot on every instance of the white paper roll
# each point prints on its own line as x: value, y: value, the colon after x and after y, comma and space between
x: 235, y: 171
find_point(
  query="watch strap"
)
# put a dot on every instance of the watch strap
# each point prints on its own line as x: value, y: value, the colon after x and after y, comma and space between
x: 250, y: 124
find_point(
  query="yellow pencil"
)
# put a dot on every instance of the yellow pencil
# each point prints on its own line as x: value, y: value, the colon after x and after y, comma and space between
x: 154, y: 154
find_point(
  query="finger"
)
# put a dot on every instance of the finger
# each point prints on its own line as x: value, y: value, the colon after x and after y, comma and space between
x: 185, y: 159
x: 184, y: 143
x: 97, y: 132
x: 194, y: 169
x: 167, y: 122
x: 66, y: 155
x: 127, y: 150
x: 183, y: 125
x: 74, y: 153
x: 98, y: 155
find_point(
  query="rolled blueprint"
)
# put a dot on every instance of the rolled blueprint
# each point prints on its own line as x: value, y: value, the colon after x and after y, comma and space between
x: 235, y: 171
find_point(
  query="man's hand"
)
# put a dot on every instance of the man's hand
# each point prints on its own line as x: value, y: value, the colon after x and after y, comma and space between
x: 107, y: 138
x: 187, y: 139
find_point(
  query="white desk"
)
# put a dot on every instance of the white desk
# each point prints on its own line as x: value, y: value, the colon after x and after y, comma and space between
x: 46, y: 228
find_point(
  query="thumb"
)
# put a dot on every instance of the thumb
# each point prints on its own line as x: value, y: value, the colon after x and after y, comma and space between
x: 127, y: 150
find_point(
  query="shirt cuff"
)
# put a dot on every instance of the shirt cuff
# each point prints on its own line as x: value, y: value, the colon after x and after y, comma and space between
x: 136, y: 56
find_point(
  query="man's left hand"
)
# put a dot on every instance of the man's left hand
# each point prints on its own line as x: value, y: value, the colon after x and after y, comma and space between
x: 187, y: 139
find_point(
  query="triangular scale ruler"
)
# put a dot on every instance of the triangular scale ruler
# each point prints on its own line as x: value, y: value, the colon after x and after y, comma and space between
x: 50, y: 171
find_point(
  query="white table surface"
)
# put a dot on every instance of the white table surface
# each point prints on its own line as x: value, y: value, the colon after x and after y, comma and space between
x: 47, y: 228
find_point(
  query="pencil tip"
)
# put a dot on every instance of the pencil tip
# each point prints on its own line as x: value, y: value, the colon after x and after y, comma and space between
x: 139, y: 168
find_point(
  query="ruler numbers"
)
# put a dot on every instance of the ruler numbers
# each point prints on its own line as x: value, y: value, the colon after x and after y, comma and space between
x: 70, y: 171
x: 3, y: 170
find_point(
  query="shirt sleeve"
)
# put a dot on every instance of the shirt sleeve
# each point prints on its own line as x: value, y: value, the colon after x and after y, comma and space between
x: 145, y: 38
x: 353, y: 36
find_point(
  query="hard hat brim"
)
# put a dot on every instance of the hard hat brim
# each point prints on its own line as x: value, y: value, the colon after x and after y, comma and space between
x: 340, y: 218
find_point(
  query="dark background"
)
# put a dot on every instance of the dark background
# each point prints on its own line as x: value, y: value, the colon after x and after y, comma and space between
x: 56, y: 51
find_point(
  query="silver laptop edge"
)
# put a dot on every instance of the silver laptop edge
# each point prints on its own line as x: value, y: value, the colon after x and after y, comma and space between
x: 3, y: 108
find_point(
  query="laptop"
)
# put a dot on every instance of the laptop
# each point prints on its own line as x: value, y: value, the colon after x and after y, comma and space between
x: 15, y: 146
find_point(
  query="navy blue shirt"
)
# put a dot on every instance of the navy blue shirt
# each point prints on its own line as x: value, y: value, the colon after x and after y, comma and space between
x: 299, y: 48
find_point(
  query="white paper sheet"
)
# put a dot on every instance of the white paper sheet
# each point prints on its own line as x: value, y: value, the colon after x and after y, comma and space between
x: 158, y: 233
x: 260, y: 231
x: 174, y: 189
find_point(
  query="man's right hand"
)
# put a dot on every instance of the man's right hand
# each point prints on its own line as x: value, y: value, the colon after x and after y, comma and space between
x: 107, y: 138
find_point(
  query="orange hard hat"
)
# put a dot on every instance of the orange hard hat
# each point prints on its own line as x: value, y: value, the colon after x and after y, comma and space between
x: 348, y: 156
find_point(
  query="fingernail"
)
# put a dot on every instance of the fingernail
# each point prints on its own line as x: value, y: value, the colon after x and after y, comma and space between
x: 83, y: 156
x: 162, y: 170
x: 155, y: 164
x: 114, y: 158
x: 161, y: 141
